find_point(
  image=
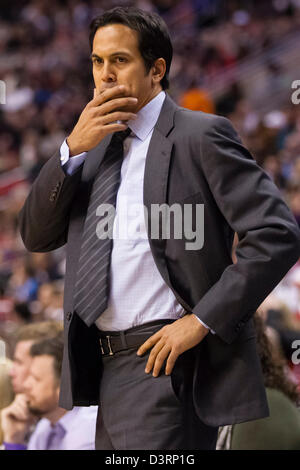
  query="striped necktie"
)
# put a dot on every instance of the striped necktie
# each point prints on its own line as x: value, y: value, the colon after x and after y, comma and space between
x: 55, y: 437
x: 91, y: 287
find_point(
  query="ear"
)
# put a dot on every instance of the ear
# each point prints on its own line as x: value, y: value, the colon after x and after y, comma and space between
x: 158, y: 70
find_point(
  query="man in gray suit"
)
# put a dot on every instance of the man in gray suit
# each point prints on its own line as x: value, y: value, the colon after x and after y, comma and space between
x: 158, y: 329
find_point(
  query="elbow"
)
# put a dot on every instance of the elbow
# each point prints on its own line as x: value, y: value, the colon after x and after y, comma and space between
x: 30, y: 241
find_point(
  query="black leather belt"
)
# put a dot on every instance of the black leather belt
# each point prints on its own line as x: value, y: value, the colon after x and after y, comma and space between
x: 112, y: 342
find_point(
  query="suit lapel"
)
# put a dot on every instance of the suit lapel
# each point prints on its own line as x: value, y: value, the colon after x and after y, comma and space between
x: 158, y: 157
x: 156, y: 176
x: 155, y: 191
x: 94, y: 158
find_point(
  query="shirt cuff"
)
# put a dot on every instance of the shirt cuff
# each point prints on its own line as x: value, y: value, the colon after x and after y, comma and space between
x: 11, y: 446
x: 202, y: 323
x: 70, y: 165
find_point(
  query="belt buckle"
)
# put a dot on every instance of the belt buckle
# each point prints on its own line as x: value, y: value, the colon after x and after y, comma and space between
x: 111, y: 353
x: 101, y: 346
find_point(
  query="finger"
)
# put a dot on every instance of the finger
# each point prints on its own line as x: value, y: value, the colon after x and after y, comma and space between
x: 95, y: 93
x: 152, y: 356
x: 117, y: 116
x: 114, y: 105
x: 149, y: 343
x: 116, y: 127
x: 160, y: 359
x: 17, y: 408
x: 173, y: 356
x: 22, y: 398
x: 19, y: 413
x: 108, y: 94
x: 21, y: 407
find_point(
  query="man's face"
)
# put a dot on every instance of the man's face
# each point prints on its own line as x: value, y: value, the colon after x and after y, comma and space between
x: 41, y: 386
x: 117, y: 61
x: 21, y: 365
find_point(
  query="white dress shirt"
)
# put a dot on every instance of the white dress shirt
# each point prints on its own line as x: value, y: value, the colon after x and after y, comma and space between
x: 75, y: 430
x: 138, y: 293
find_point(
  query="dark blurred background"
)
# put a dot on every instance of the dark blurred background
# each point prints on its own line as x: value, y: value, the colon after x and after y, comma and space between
x: 233, y: 58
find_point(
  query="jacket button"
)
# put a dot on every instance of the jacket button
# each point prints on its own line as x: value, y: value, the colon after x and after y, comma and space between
x: 69, y: 316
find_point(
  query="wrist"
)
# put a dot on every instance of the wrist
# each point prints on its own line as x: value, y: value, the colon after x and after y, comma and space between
x: 73, y: 148
x: 10, y: 446
x: 202, y: 326
x: 14, y: 439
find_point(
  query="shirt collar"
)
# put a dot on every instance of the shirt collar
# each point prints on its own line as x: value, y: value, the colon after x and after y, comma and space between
x: 66, y: 421
x: 147, y: 117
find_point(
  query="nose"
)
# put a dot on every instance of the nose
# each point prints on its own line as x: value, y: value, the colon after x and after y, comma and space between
x: 108, y: 74
x: 27, y: 384
x: 11, y: 372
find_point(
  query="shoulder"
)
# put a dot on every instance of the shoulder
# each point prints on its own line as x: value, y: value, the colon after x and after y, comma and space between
x: 81, y: 429
x: 37, y: 438
x: 86, y: 411
x: 199, y: 121
x: 85, y: 415
x: 197, y: 130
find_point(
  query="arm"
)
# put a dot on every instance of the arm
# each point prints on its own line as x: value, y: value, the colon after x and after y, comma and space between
x: 269, y: 245
x: 44, y: 218
x: 269, y: 239
x: 16, y: 421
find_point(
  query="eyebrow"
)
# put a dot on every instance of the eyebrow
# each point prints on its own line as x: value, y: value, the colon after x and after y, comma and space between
x: 93, y: 55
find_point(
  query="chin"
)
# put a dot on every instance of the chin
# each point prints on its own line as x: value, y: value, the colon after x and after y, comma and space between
x: 35, y: 410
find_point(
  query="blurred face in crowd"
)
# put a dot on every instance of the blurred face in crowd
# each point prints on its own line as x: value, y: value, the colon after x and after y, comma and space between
x: 21, y: 365
x: 45, y: 294
x: 117, y: 61
x: 42, y: 386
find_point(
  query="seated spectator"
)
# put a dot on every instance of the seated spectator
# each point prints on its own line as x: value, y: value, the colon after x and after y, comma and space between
x: 57, y: 429
x: 21, y: 314
x: 22, y: 283
x: 281, y: 430
x: 6, y: 390
x: 27, y: 335
x: 197, y: 99
x: 49, y: 305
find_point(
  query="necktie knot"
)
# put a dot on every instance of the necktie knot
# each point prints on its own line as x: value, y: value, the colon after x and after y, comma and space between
x: 56, y: 434
x: 120, y: 136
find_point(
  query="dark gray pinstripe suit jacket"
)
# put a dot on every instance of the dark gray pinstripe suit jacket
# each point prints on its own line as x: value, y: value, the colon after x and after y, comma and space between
x: 193, y: 158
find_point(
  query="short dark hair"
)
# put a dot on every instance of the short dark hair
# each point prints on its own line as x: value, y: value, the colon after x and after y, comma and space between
x: 38, y: 331
x: 23, y: 311
x: 153, y: 35
x: 51, y: 347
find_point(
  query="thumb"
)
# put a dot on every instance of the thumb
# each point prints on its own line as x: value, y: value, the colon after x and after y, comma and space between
x: 95, y: 92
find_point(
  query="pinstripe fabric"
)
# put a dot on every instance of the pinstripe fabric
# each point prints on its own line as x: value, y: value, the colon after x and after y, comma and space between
x: 91, y: 288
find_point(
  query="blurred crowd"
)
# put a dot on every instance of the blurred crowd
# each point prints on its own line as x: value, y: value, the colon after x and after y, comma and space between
x: 45, y: 65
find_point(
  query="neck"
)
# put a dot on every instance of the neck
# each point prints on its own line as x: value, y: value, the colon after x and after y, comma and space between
x: 152, y: 95
x: 55, y: 415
